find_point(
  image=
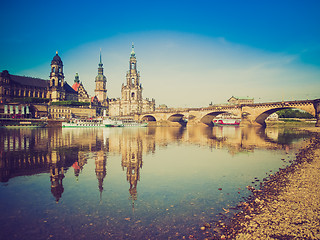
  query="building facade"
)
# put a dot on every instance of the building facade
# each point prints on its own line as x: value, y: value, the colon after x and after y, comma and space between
x: 131, y: 101
x: 240, y: 100
x: 56, y: 89
x: 43, y: 94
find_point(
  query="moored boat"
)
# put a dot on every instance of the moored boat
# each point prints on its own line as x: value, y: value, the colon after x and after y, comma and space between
x: 89, y: 123
x: 226, y: 122
x: 132, y: 123
x: 23, y: 123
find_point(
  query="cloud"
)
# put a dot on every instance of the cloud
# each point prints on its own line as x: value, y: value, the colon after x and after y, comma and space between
x: 181, y: 69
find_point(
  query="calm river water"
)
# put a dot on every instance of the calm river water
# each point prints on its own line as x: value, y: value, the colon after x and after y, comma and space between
x: 131, y: 183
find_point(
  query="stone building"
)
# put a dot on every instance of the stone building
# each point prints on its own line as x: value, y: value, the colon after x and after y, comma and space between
x: 240, y: 100
x: 56, y: 89
x: 14, y: 87
x: 131, y: 101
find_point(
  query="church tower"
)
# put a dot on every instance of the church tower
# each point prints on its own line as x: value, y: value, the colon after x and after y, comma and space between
x: 57, y: 79
x: 101, y: 84
x: 132, y: 91
x: 131, y: 102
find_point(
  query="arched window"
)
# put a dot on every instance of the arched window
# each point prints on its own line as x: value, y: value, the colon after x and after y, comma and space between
x: 132, y: 65
x: 53, y: 69
x: 132, y: 95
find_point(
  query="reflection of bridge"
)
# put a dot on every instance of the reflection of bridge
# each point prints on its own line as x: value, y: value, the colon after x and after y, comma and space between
x: 250, y: 114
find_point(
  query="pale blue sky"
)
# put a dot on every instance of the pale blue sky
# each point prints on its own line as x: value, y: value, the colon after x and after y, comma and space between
x: 189, y: 53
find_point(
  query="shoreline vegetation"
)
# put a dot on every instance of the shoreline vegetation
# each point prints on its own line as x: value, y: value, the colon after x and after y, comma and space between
x: 286, y: 206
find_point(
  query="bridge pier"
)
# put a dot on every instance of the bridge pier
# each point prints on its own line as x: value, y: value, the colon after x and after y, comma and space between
x: 248, y: 122
x: 316, y: 105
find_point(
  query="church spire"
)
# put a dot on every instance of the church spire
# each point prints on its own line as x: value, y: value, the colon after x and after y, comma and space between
x: 76, y: 78
x: 133, y: 54
x: 100, y: 63
x: 101, y: 83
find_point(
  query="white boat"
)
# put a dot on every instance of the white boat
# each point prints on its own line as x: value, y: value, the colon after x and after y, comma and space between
x: 88, y: 123
x: 128, y: 122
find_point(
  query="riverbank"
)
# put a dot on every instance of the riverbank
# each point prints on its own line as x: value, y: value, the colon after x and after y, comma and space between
x: 287, y: 205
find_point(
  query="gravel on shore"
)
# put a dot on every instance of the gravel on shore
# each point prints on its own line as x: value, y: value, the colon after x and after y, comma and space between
x: 287, y: 205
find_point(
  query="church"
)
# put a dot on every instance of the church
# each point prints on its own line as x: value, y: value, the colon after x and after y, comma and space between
x: 131, y: 101
x: 56, y: 89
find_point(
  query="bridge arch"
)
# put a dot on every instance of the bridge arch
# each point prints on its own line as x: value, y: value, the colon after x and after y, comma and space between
x: 149, y: 118
x: 207, y: 119
x: 177, y: 118
x: 264, y: 115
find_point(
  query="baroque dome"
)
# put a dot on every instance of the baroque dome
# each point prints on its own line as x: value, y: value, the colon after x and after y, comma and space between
x: 56, y: 59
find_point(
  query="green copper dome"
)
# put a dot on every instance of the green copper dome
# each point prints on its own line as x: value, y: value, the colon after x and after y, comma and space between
x: 132, y: 52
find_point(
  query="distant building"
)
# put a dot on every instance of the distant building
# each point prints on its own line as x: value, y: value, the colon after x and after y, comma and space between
x: 55, y: 89
x: 273, y: 117
x: 14, y: 87
x: 240, y: 100
x: 77, y: 86
x: 131, y: 101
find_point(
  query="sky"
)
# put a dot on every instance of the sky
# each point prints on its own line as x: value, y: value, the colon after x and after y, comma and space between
x: 189, y: 53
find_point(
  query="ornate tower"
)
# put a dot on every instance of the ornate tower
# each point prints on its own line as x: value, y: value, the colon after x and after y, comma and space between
x: 76, y: 78
x: 132, y: 91
x: 57, y: 79
x: 101, y: 84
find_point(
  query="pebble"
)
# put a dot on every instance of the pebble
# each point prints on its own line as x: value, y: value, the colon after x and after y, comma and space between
x: 288, y: 204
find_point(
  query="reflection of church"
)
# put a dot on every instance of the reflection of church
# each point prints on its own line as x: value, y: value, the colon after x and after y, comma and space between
x: 132, y: 161
x: 56, y: 176
x: 26, y: 152
x: 101, y: 169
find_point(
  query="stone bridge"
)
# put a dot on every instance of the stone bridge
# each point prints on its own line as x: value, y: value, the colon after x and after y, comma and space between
x: 250, y: 114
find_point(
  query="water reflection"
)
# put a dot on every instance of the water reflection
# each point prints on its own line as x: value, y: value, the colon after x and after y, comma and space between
x: 29, y: 152
x: 129, y: 183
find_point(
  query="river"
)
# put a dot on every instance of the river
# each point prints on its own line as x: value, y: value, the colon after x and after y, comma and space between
x: 132, y: 183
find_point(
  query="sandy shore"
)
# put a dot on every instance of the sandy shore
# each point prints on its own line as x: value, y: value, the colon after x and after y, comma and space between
x: 287, y: 205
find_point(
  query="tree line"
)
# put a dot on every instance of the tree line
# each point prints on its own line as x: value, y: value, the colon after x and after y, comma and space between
x: 293, y: 113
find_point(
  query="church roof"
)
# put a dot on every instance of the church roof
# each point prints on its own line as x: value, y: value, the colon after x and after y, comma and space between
x: 33, y: 82
x: 26, y: 81
x: 76, y: 86
x: 56, y: 59
x: 68, y: 89
x: 94, y: 99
